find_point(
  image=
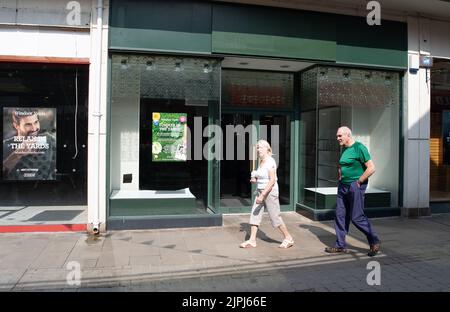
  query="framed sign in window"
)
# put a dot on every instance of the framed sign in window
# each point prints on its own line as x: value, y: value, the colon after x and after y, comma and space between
x: 169, y: 137
x: 29, y: 143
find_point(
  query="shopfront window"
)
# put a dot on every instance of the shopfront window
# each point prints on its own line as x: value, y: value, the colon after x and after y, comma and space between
x: 43, y: 117
x: 160, y: 108
x: 367, y: 101
x: 440, y: 134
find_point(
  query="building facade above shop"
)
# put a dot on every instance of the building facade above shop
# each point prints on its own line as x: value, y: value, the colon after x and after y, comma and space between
x: 223, y: 28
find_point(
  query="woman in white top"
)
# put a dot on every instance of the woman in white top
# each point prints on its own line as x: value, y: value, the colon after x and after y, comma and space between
x: 265, y: 178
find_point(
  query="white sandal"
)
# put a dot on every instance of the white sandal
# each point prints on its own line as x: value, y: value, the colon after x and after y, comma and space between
x: 248, y: 244
x: 287, y: 243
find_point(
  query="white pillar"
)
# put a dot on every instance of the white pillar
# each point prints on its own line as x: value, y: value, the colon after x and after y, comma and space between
x: 97, y: 153
x: 417, y: 124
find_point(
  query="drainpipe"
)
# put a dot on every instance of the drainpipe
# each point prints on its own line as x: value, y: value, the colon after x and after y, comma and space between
x: 97, y: 118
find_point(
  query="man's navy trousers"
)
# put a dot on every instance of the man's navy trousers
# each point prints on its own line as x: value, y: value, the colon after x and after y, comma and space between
x: 350, y: 207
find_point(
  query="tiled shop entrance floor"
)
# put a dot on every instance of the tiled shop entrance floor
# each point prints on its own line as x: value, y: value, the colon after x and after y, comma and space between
x: 29, y: 215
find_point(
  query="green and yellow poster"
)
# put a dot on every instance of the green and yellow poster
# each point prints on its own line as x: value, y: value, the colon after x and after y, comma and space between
x: 169, y: 136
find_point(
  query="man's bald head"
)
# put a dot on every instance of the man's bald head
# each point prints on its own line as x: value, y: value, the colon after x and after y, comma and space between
x: 345, y: 130
x: 344, y: 136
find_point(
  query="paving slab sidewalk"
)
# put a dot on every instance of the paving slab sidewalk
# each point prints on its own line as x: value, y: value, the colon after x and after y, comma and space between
x: 415, y: 257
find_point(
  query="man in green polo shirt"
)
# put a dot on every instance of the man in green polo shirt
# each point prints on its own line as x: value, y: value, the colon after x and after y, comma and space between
x: 355, y: 168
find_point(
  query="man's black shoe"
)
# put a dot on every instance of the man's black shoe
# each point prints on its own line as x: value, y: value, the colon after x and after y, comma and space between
x: 335, y: 250
x: 374, y: 249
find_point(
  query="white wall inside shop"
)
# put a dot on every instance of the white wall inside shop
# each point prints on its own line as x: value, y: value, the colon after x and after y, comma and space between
x: 125, y: 114
x: 125, y: 142
x: 377, y: 128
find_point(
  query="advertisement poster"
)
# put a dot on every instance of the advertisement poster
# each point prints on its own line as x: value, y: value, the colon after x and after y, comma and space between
x: 29, y: 143
x: 169, y: 137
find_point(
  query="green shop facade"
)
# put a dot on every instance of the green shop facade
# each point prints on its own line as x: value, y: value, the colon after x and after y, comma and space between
x: 181, y: 70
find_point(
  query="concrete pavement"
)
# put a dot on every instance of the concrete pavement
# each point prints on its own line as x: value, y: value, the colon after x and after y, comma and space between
x: 415, y: 257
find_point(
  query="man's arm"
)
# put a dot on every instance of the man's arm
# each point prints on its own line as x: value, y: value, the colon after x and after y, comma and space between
x: 370, y: 169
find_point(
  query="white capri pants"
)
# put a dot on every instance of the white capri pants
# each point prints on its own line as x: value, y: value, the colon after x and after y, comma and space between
x: 272, y: 205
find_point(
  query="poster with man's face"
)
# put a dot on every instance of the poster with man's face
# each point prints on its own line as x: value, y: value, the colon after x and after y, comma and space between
x: 29, y: 143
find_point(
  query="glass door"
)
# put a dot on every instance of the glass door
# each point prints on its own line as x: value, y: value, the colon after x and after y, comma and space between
x: 276, y: 129
x: 241, y: 131
x: 235, y: 187
x: 256, y: 104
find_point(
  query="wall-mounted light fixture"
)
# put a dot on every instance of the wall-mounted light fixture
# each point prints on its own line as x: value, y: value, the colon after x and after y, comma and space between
x: 207, y: 68
x: 425, y: 61
x: 124, y: 64
x: 323, y: 72
x: 178, y: 66
x: 150, y: 65
x: 388, y: 79
x: 346, y: 75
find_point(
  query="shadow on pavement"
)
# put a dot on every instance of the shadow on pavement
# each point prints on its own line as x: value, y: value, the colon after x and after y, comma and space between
x: 327, y: 238
x: 245, y: 227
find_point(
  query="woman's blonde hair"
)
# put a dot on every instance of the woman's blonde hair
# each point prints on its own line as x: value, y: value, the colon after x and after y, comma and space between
x: 265, y: 144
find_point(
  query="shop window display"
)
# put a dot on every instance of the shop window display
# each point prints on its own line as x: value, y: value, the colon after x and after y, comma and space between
x: 440, y: 132
x: 367, y: 101
x: 44, y: 130
x: 158, y: 103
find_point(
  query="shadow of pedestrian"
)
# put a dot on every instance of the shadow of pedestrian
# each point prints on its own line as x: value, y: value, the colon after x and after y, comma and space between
x: 245, y: 227
x: 327, y: 238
